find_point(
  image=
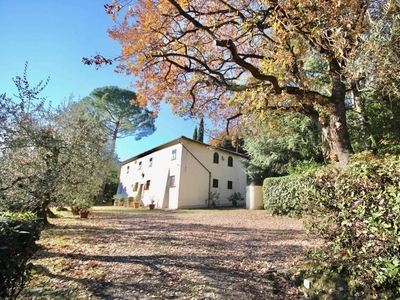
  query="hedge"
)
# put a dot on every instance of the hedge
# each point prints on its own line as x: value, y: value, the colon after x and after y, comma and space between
x: 283, y: 195
x: 18, y: 236
x: 357, y: 212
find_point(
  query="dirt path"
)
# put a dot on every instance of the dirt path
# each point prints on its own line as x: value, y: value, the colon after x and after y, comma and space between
x: 190, y: 254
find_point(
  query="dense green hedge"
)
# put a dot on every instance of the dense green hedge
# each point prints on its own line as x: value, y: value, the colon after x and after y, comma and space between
x: 18, y: 236
x: 282, y: 195
x: 357, y: 212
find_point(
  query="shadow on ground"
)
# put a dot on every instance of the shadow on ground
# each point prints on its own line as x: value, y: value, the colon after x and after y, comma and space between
x: 225, y: 254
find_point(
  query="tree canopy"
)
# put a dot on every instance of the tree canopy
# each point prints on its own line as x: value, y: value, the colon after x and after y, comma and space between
x: 240, y: 58
x: 121, y: 116
x: 283, y: 142
x: 120, y: 113
x: 85, y: 153
x: 47, y: 156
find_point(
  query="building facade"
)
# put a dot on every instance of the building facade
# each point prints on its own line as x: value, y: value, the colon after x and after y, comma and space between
x: 181, y: 174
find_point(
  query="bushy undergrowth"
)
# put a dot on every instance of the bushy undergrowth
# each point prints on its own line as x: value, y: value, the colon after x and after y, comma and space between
x: 357, y: 212
x: 18, y: 236
x: 285, y: 195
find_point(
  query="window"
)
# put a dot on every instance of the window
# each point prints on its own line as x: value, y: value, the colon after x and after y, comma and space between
x: 230, y: 185
x: 150, y: 161
x: 215, y: 183
x: 216, y: 158
x: 172, y: 180
x: 127, y: 170
x: 230, y: 161
x: 140, y: 165
x: 135, y: 187
x: 147, y: 186
x: 173, y: 154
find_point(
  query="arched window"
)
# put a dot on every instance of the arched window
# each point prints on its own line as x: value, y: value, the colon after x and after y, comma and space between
x: 230, y: 161
x: 216, y: 158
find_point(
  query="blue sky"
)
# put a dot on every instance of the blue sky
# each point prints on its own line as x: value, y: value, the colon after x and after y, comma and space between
x: 53, y: 36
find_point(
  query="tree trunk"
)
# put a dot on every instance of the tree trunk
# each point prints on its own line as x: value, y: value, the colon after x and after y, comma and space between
x: 50, y: 214
x: 337, y: 136
x: 107, y: 168
x: 337, y: 133
x: 102, y: 189
x: 41, y: 212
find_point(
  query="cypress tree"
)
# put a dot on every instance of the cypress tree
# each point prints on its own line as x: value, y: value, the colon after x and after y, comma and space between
x: 201, y: 131
x: 195, y: 136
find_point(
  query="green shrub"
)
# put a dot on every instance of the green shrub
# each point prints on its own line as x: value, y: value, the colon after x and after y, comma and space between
x: 18, y: 236
x: 213, y: 199
x: 235, y: 197
x: 283, y: 195
x: 357, y: 212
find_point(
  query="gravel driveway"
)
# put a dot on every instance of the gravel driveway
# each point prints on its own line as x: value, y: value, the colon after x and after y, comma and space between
x: 122, y: 253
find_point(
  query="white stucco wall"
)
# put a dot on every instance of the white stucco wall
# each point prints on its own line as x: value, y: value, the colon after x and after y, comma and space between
x: 254, y: 197
x: 191, y: 169
x: 158, y: 173
x: 195, y: 177
x: 193, y: 189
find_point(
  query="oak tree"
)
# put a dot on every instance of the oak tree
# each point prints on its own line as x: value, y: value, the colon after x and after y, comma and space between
x: 245, y: 58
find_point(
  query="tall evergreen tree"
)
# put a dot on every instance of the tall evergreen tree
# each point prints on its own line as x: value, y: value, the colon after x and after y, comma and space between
x: 201, y: 131
x: 285, y: 141
x: 195, y: 136
x: 121, y: 116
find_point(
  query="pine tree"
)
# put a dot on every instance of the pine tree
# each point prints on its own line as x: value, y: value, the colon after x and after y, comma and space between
x: 121, y: 116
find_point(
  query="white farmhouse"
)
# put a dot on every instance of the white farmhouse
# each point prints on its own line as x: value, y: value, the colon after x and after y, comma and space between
x: 181, y: 173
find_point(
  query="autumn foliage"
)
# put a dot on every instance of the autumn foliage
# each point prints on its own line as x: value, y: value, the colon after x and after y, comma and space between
x: 230, y: 59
